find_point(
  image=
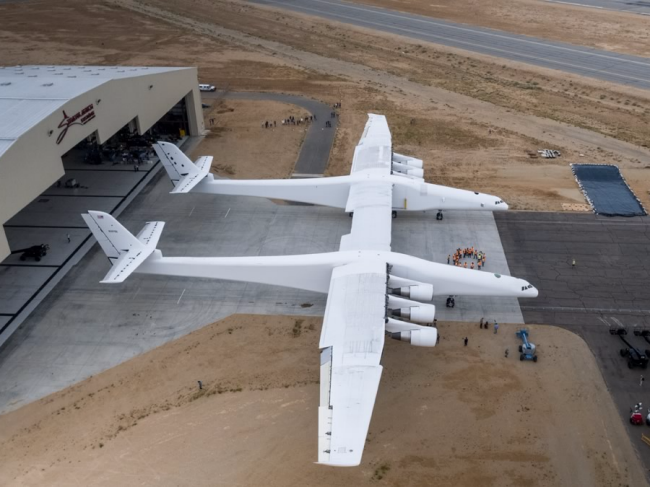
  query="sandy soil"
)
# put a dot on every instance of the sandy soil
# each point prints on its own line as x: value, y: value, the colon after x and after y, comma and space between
x: 444, y: 416
x: 241, y: 148
x: 604, y: 29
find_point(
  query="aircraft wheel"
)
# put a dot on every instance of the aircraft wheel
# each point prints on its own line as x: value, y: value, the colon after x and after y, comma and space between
x: 623, y: 352
x: 394, y: 214
x: 23, y: 258
x: 38, y: 259
x: 521, y: 357
x: 535, y: 358
x: 630, y: 365
x: 520, y: 349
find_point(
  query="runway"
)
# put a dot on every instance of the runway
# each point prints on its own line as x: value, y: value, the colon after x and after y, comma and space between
x: 630, y: 6
x: 584, y: 61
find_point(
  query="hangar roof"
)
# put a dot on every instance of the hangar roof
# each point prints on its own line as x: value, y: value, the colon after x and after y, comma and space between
x: 30, y: 93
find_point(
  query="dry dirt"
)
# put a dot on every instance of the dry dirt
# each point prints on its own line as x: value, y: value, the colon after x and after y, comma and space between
x: 241, y: 148
x: 444, y: 416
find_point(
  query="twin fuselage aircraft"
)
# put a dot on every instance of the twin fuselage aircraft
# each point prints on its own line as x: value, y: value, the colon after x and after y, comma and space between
x: 368, y: 285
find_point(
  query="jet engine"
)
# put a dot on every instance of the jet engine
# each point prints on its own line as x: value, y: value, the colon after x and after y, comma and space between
x: 419, y: 314
x: 408, y: 170
x: 419, y: 292
x: 410, y: 310
x: 416, y: 335
x: 409, y: 161
x: 424, y: 337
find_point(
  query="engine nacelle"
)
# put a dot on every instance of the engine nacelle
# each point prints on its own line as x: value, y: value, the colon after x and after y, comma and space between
x: 422, y: 337
x: 419, y: 314
x: 419, y: 292
x: 407, y: 176
x: 408, y: 170
x: 409, y: 161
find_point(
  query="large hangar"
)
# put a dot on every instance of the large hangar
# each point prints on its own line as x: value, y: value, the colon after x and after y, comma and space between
x: 48, y: 110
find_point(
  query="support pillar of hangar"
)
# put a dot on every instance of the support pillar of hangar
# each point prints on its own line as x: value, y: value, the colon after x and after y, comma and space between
x: 47, y: 110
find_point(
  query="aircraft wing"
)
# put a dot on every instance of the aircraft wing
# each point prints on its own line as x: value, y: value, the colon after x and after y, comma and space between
x: 351, y: 344
x: 374, y: 150
x: 371, y: 204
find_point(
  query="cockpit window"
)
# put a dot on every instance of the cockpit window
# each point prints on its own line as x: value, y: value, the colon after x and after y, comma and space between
x: 498, y: 202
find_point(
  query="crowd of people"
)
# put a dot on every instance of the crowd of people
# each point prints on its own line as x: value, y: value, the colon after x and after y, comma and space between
x: 292, y: 120
x: 474, y: 255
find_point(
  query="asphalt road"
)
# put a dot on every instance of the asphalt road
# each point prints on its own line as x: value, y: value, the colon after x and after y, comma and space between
x: 583, y: 61
x: 608, y: 286
x: 630, y: 6
x: 315, y: 151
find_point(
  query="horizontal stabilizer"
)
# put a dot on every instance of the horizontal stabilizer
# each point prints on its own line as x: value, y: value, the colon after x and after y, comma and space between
x: 183, y: 173
x: 124, y: 251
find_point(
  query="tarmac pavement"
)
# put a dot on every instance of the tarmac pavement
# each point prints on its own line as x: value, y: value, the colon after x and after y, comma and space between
x: 608, y: 287
x: 83, y: 327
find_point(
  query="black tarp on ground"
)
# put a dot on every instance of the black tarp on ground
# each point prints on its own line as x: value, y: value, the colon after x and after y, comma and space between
x: 606, y: 190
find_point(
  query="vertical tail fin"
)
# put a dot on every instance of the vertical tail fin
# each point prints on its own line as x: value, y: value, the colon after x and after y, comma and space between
x: 183, y: 173
x: 124, y: 251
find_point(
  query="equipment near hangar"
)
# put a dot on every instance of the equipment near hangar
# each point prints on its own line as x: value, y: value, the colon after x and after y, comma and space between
x: 48, y: 110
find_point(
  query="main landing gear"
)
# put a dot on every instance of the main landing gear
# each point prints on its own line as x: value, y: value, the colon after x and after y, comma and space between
x: 439, y: 215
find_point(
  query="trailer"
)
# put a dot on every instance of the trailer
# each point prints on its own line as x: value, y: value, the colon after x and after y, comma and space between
x: 527, y: 351
x: 635, y: 357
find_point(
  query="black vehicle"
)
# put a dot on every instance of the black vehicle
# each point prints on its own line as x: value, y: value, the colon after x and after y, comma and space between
x: 35, y: 252
x: 646, y: 336
x: 635, y: 357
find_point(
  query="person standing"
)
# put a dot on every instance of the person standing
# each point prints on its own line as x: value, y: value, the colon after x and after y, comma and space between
x: 465, y: 341
x: 496, y: 327
x: 68, y: 237
x: 448, y: 258
x: 573, y: 263
x: 641, y: 380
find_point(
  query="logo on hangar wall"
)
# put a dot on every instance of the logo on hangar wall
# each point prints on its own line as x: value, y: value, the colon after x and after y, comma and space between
x: 82, y: 117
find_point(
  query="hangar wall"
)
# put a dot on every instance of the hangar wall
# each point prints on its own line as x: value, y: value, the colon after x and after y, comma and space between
x: 32, y: 163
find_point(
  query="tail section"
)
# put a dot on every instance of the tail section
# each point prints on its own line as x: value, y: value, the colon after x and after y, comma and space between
x: 124, y: 251
x: 181, y: 170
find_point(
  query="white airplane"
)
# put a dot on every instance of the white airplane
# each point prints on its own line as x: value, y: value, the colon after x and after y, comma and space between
x: 374, y: 164
x: 368, y: 285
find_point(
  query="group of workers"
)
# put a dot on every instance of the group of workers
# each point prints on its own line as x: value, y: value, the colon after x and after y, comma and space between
x: 467, y: 253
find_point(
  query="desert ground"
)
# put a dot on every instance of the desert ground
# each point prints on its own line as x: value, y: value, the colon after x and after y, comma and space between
x: 444, y: 416
x: 241, y: 148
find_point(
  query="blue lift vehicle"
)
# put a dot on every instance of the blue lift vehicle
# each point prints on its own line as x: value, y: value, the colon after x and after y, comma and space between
x: 527, y: 351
